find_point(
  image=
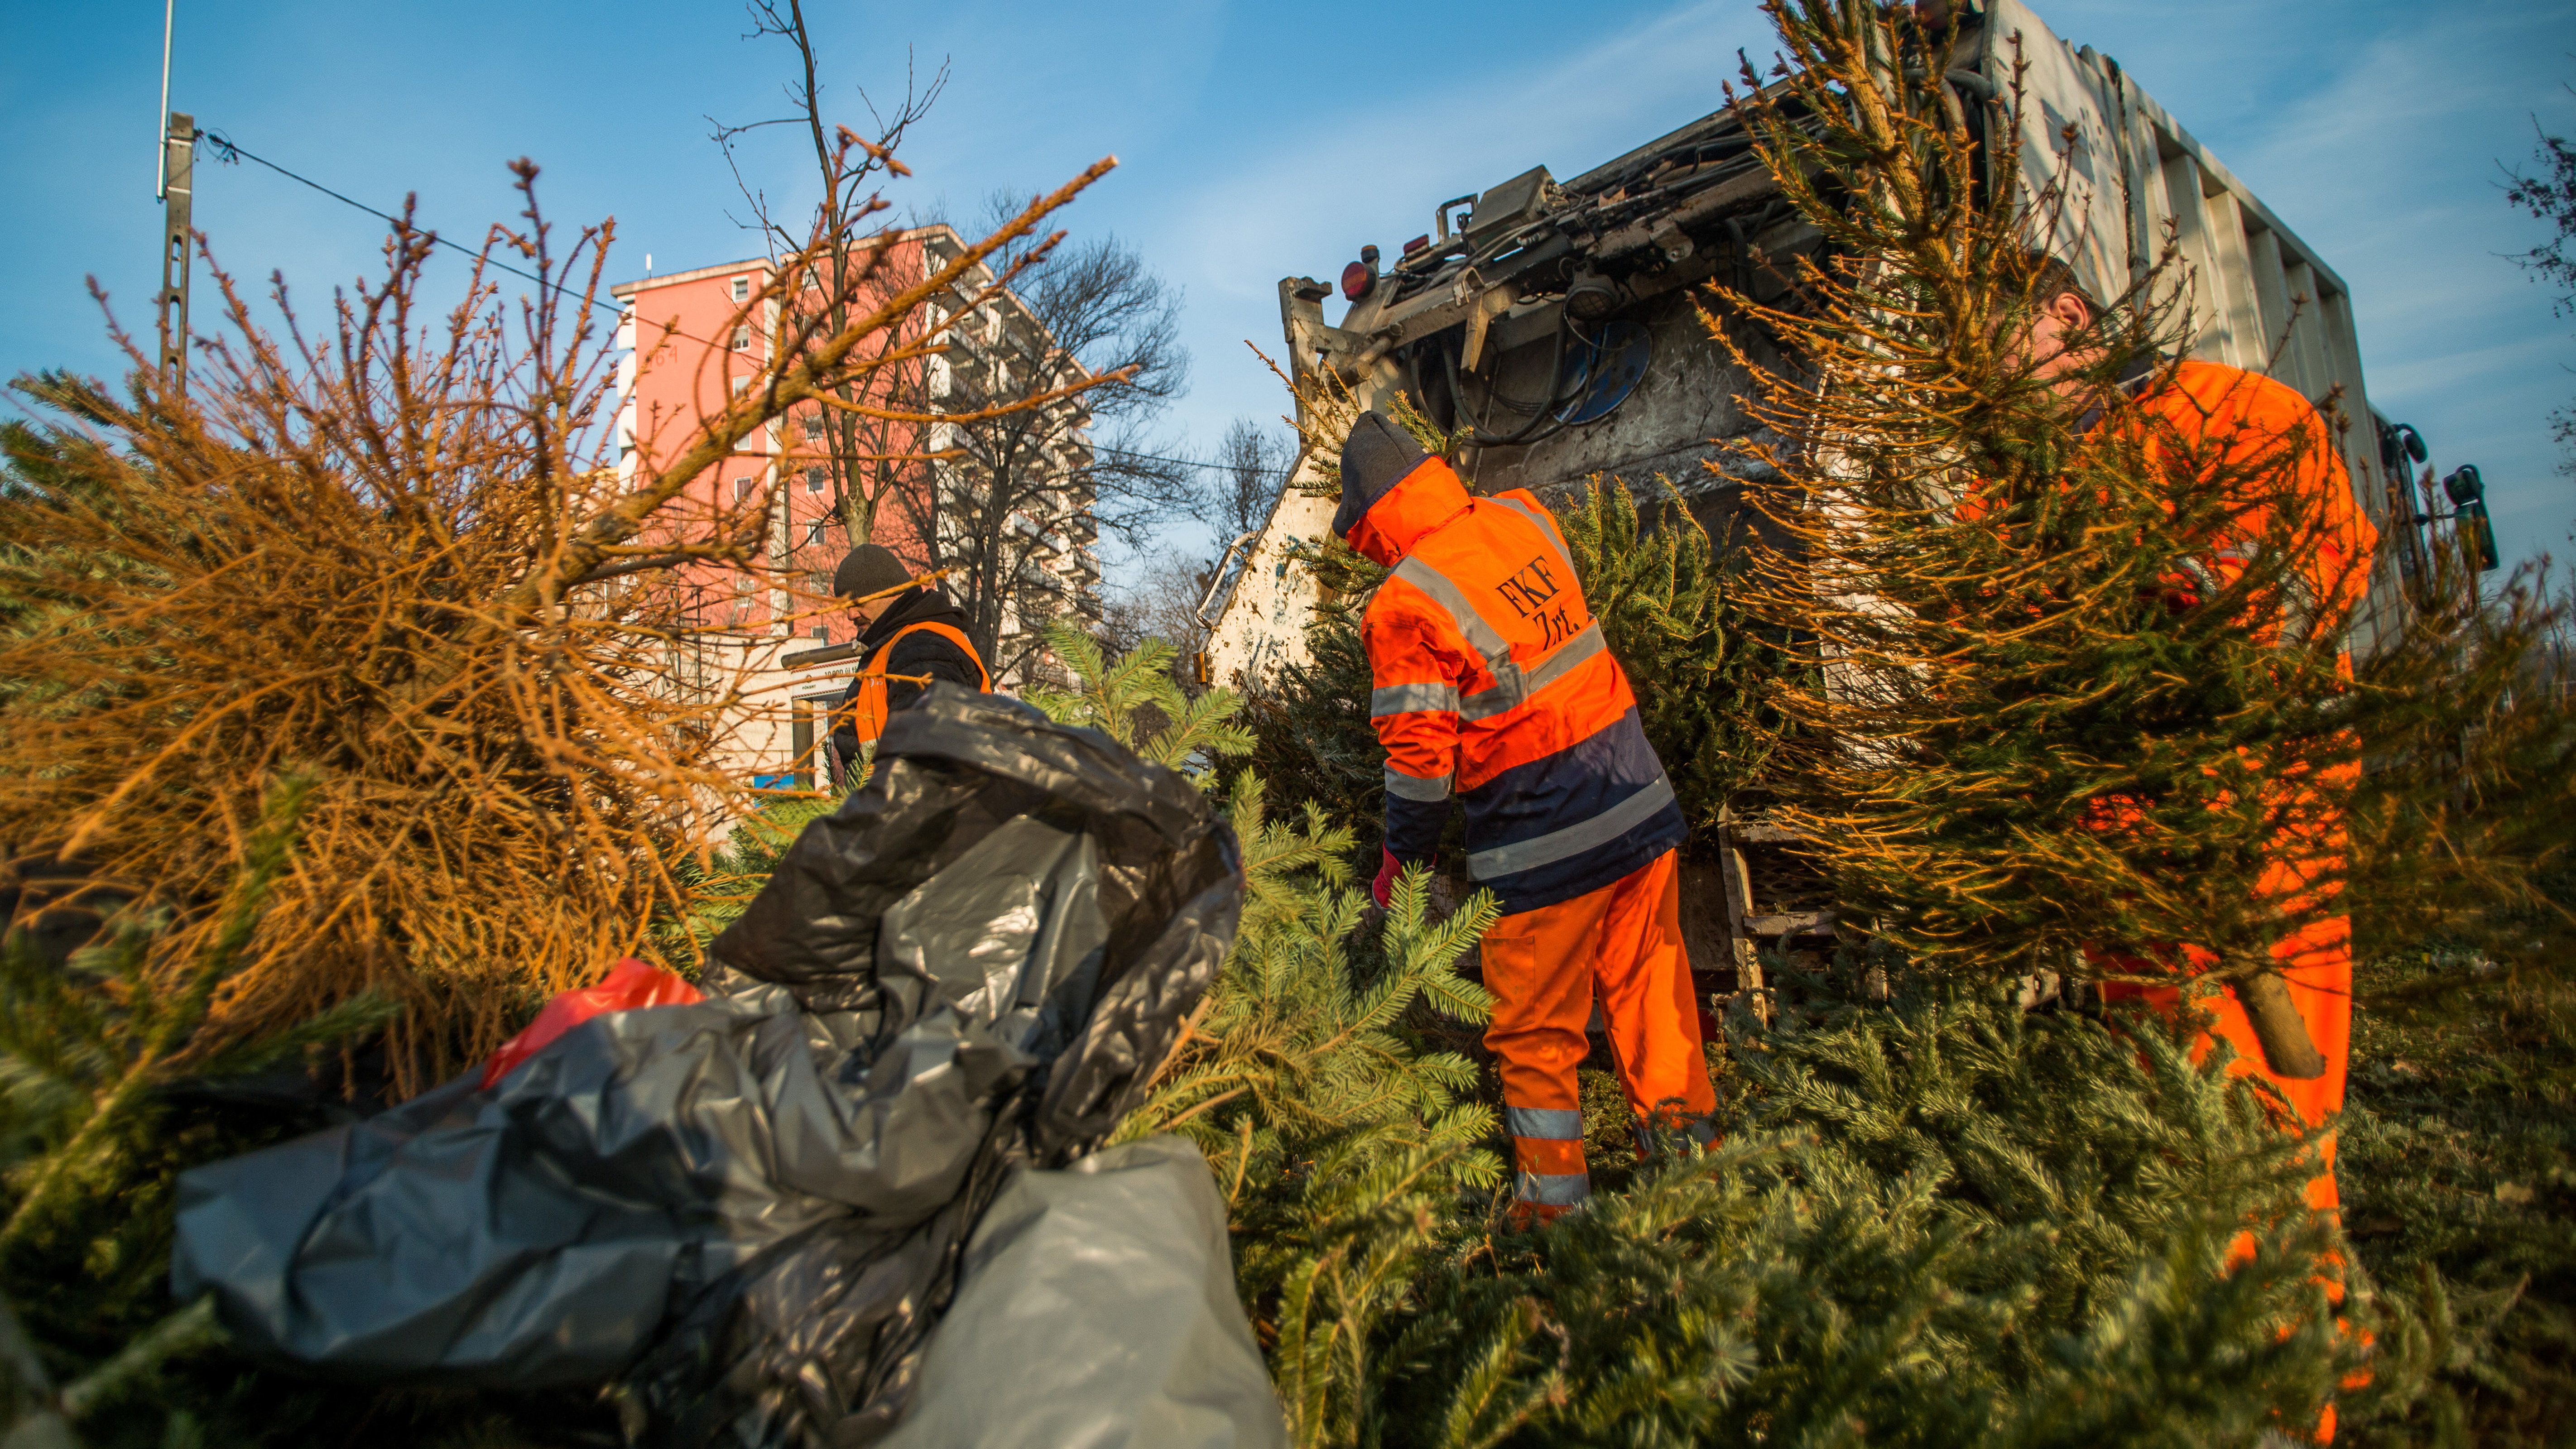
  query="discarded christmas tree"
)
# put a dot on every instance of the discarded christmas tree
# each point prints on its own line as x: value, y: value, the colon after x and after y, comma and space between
x: 1940, y: 1222
x: 403, y: 560
x: 2072, y: 679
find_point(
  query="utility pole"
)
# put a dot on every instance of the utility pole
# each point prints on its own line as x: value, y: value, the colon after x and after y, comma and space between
x: 172, y: 187
x: 178, y: 150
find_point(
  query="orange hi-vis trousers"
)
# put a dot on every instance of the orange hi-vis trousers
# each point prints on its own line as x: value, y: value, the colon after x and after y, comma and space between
x: 2316, y: 964
x: 1543, y: 967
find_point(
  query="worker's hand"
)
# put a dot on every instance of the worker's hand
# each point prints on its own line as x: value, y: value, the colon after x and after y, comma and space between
x: 1384, y: 885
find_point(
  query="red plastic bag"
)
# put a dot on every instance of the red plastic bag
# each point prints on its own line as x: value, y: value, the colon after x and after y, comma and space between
x: 629, y: 984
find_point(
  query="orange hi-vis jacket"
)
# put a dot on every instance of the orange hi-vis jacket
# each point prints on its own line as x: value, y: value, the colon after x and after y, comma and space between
x: 1493, y: 683
x: 2218, y: 421
x: 868, y: 706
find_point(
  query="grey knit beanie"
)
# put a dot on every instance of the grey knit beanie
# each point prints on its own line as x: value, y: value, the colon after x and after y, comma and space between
x: 1375, y: 458
x: 871, y: 568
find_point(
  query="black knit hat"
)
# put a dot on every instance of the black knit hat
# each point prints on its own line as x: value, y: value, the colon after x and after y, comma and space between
x: 871, y: 568
x: 1375, y: 458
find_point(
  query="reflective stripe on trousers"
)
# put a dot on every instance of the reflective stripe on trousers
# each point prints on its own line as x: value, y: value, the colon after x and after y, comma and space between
x: 1655, y: 1129
x: 1547, y: 1147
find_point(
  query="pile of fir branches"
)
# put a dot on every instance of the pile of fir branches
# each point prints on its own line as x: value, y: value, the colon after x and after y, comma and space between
x: 2457, y: 1154
x: 1935, y: 1221
x: 1938, y: 1220
x: 392, y: 569
x: 109, y: 1088
x: 1671, y: 606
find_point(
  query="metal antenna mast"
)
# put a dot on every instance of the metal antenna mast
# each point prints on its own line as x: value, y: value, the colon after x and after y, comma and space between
x: 172, y: 185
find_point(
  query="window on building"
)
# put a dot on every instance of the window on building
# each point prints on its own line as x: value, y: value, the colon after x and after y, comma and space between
x: 742, y: 339
x: 815, y: 533
x: 741, y: 489
x: 814, y: 480
x: 742, y: 289
x: 742, y: 383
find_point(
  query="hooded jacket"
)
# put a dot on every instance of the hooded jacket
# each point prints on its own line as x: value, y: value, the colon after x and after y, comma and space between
x: 1492, y: 682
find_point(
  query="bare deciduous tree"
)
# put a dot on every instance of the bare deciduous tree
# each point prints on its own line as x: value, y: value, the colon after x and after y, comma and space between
x: 2549, y: 194
x: 1252, y: 464
x: 1159, y: 602
x: 1018, y: 502
x: 863, y: 454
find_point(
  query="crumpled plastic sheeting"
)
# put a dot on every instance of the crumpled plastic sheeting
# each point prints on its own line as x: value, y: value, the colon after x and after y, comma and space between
x: 1097, y: 1308
x: 950, y: 770
x: 754, y: 1207
x: 539, y: 1232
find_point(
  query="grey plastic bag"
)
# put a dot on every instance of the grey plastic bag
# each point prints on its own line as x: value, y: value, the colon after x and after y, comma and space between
x: 539, y: 1232
x: 1097, y: 1310
x: 752, y: 1208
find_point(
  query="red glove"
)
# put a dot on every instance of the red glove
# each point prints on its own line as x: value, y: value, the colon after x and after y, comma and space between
x: 1384, y: 885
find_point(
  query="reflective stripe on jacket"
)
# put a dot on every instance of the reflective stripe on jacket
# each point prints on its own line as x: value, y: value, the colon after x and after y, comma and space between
x: 868, y: 709
x: 1493, y: 683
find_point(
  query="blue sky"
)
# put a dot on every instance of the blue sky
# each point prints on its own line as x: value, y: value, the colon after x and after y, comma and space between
x: 1255, y: 141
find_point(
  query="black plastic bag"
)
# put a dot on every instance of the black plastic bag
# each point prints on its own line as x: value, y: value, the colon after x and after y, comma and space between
x: 753, y: 1208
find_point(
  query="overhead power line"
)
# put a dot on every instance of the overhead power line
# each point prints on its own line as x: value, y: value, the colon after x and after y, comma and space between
x: 233, y: 151
x: 1176, y: 462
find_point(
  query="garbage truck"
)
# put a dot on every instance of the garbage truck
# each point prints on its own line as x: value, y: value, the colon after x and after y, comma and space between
x: 1559, y: 319
x: 1558, y: 323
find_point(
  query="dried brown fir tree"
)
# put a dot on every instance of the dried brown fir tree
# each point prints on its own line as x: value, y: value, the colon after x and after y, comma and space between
x: 392, y: 556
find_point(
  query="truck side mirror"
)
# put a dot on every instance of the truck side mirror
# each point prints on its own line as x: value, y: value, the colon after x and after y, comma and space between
x: 2399, y: 442
x: 2481, y: 534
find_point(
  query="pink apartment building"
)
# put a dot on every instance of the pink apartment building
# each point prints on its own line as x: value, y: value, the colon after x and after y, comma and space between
x: 763, y: 627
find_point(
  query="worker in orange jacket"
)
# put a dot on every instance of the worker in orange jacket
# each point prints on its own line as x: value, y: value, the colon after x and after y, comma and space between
x: 2221, y: 422
x: 1493, y: 685
x: 909, y: 636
